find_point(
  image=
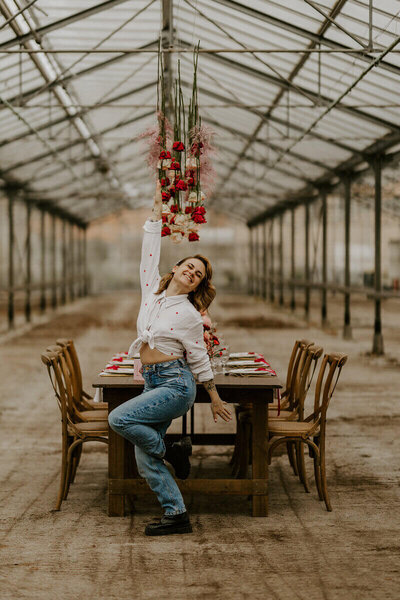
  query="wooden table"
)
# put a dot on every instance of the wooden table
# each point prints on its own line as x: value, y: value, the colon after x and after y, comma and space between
x: 123, y: 479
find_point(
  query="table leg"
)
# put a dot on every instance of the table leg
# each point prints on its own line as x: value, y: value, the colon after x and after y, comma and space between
x: 260, y: 464
x: 116, y: 461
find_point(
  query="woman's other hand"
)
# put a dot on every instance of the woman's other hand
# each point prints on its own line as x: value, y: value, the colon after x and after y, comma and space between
x: 220, y: 409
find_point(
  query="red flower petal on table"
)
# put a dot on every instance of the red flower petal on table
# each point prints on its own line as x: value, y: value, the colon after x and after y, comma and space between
x: 120, y: 359
x: 193, y: 237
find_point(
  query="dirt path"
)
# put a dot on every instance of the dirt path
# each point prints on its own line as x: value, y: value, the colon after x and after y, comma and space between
x: 299, y: 551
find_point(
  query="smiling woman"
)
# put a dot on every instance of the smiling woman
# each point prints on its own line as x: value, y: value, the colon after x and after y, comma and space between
x: 172, y: 351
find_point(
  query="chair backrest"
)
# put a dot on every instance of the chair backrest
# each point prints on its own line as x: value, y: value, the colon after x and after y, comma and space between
x: 70, y: 347
x: 294, y: 362
x: 328, y: 376
x: 308, y: 361
x: 51, y: 360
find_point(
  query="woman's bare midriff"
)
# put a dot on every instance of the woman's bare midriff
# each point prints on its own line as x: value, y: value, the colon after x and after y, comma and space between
x: 150, y: 356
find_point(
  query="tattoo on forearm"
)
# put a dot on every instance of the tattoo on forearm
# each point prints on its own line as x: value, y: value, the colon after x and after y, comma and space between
x: 210, y: 385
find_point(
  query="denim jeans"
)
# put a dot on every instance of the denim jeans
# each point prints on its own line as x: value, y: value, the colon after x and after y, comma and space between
x: 169, y: 392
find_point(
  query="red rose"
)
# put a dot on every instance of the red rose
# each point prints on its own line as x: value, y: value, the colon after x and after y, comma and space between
x: 165, y: 181
x: 189, y: 173
x: 188, y: 210
x: 180, y: 185
x: 196, y: 149
x: 172, y: 220
x: 193, y: 237
x: 172, y: 191
x: 178, y: 146
x: 197, y: 218
x: 164, y: 219
x: 165, y: 196
x: 165, y: 231
x: 174, y: 208
x: 175, y: 165
x: 164, y: 155
x: 190, y: 181
x: 200, y: 210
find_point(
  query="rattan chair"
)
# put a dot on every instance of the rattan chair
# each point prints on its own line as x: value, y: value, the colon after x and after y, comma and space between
x: 306, y: 362
x: 83, y: 398
x: 74, y: 434
x: 81, y: 412
x: 312, y: 430
x: 285, y: 401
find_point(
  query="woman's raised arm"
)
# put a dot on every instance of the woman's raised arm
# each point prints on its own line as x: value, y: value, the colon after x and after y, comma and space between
x: 157, y: 206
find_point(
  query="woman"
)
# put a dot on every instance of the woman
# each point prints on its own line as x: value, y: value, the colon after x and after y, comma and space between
x: 172, y: 352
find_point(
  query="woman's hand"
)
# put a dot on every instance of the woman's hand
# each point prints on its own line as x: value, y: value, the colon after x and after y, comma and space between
x: 219, y: 409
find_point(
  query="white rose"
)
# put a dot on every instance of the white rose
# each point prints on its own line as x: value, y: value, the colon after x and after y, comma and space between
x: 191, y: 163
x: 192, y: 197
x: 176, y: 237
x: 165, y: 209
x: 181, y: 219
x: 166, y: 163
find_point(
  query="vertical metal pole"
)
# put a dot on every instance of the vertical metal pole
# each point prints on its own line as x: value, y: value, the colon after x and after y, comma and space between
x: 42, y: 261
x: 71, y: 262
x: 64, y: 262
x: 307, y: 261
x: 281, y: 259
x: 377, y: 346
x: 251, y: 261
x: 347, y: 334
x: 85, y: 270
x: 271, y: 259
x: 257, y: 262
x: 265, y: 264
x: 292, y: 259
x: 53, y: 263
x: 324, y: 293
x: 28, y: 253
x: 11, y: 240
x: 79, y: 262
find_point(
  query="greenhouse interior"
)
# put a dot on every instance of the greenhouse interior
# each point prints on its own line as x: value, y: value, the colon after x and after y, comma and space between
x: 247, y: 151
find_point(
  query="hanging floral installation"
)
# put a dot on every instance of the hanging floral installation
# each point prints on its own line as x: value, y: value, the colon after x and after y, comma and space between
x: 181, y: 156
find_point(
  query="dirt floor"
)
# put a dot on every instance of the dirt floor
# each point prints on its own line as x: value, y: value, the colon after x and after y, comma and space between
x: 299, y: 551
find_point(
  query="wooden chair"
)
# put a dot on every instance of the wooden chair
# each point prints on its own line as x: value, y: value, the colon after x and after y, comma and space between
x: 74, y: 434
x: 83, y: 398
x: 312, y: 430
x: 81, y: 412
x: 285, y: 402
x: 306, y: 361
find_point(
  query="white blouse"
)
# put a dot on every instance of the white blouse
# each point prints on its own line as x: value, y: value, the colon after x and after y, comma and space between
x: 170, y: 324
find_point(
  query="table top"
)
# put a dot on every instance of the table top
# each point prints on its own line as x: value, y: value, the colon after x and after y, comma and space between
x: 221, y: 381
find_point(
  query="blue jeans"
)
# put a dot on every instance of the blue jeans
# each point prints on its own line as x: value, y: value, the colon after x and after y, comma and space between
x: 169, y: 392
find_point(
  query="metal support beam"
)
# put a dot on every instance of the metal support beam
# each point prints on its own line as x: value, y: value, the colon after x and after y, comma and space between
x: 251, y: 261
x: 53, y: 263
x: 167, y: 41
x: 11, y: 245
x: 272, y: 264
x: 324, y: 305
x: 85, y: 269
x: 281, y: 259
x: 42, y: 261
x: 307, y: 260
x: 257, y: 259
x: 347, y: 333
x: 28, y: 254
x: 292, y: 258
x: 377, y: 346
x: 64, y: 262
x: 71, y: 261
x: 265, y: 263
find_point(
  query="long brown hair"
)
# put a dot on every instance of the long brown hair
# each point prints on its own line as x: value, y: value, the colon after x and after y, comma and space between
x: 205, y: 292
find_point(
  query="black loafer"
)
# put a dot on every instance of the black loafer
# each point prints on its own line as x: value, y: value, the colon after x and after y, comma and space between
x: 178, y: 456
x: 170, y: 524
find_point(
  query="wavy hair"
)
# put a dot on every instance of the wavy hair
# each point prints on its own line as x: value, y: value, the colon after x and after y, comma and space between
x: 205, y: 292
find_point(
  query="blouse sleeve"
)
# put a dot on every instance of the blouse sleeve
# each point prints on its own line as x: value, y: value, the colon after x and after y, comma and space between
x: 150, y: 259
x: 196, y: 352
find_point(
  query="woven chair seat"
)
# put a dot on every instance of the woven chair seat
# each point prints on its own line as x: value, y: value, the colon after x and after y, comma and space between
x: 93, y: 415
x: 290, y: 428
x: 93, y: 428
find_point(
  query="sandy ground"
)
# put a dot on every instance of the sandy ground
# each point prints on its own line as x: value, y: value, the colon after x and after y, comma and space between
x: 299, y: 551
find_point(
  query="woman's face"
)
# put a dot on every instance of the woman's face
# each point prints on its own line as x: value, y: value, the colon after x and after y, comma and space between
x: 189, y: 274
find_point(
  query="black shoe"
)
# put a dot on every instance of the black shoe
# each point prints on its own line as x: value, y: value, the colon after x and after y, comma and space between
x: 178, y: 456
x: 170, y: 524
